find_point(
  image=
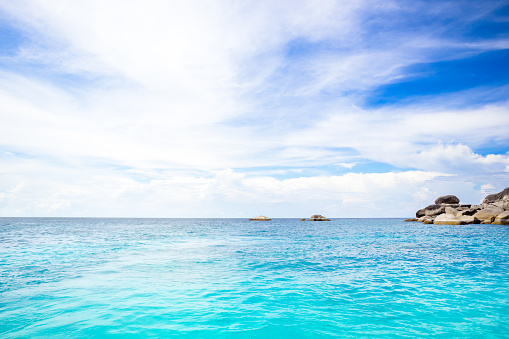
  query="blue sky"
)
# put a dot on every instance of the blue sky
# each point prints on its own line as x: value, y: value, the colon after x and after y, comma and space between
x: 241, y: 108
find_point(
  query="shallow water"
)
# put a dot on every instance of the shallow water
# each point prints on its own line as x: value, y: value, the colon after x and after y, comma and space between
x: 233, y: 278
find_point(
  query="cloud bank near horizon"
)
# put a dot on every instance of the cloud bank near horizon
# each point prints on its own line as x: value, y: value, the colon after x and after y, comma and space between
x: 233, y: 109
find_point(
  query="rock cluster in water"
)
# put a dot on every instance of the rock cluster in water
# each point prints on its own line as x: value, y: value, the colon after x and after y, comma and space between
x: 448, y: 211
x: 260, y: 218
x: 316, y: 217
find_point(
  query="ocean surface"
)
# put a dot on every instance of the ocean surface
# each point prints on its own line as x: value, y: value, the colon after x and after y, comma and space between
x: 234, y: 278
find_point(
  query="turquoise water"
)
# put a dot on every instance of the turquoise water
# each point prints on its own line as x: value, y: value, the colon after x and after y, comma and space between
x: 232, y: 278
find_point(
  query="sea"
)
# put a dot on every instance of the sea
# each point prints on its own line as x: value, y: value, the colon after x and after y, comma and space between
x: 235, y: 278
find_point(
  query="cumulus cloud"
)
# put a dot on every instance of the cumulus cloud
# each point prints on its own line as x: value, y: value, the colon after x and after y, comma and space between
x: 412, y: 138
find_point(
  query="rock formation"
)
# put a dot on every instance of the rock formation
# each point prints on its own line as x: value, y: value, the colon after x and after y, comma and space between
x: 260, y: 218
x: 500, y: 199
x: 316, y: 217
x: 448, y: 211
x: 447, y: 199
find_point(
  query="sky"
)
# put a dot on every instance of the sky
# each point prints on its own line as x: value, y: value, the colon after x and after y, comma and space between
x: 244, y: 108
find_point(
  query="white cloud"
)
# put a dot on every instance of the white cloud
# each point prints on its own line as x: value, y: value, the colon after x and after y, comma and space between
x: 410, y: 137
x: 101, y: 93
x: 462, y: 159
x: 487, y: 188
x: 348, y: 165
x: 50, y: 189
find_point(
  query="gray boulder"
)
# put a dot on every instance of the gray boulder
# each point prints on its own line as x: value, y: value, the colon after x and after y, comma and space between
x: 468, y: 219
x: 457, y: 209
x: 430, y: 210
x: 502, y: 204
x: 447, y: 199
x: 448, y: 219
x: 497, y: 198
x: 502, y: 218
x: 425, y: 218
x: 489, y: 213
x: 473, y: 209
x: 451, y: 210
x: 451, y: 219
x: 437, y: 209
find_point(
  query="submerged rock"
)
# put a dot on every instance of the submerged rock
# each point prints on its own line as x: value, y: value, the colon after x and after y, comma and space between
x: 260, y: 218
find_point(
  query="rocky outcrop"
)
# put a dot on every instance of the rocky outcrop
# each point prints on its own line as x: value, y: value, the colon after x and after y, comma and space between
x: 448, y: 211
x: 500, y: 199
x: 316, y: 217
x: 260, y: 218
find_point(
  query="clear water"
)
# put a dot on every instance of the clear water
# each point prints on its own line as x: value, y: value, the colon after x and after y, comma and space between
x: 232, y: 278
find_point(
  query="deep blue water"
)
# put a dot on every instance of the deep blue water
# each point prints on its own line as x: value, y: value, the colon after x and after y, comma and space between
x: 233, y: 278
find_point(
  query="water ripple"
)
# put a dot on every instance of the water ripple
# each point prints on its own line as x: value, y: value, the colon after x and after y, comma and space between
x: 208, y: 278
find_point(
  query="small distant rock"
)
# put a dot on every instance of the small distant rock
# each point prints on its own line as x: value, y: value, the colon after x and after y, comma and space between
x: 316, y: 217
x: 447, y: 199
x: 260, y: 218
